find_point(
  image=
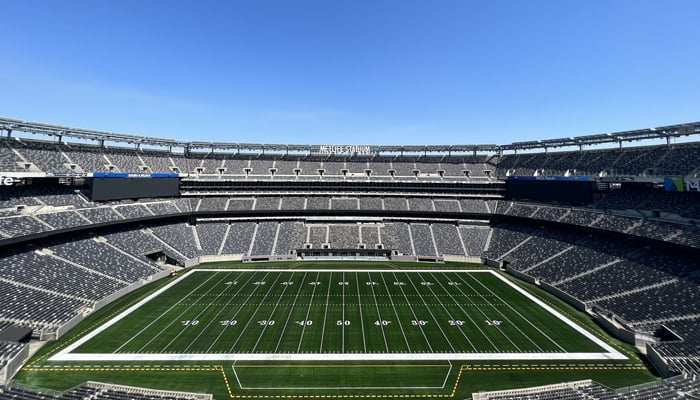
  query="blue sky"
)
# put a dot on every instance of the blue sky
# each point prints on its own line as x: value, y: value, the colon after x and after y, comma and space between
x: 352, y: 72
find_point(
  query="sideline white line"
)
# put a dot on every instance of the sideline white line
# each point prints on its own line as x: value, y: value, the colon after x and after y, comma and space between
x: 67, y: 355
x: 575, y: 326
x: 119, y: 317
x: 336, y: 357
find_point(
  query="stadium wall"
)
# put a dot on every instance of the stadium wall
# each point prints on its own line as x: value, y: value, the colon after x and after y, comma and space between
x: 63, y: 329
x: 615, y: 329
x: 658, y: 362
x: 549, y: 288
x: 13, y: 365
x: 619, y: 331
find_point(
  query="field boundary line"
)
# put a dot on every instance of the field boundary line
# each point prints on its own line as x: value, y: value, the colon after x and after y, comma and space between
x: 537, y: 328
x: 611, y: 352
x: 119, y: 316
x: 66, y: 354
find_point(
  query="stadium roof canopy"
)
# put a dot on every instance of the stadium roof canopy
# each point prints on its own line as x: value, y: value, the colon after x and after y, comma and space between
x: 663, y: 132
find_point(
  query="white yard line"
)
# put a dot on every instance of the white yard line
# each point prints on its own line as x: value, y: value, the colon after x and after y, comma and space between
x: 272, y: 313
x: 449, y: 314
x: 216, y: 316
x: 359, y: 307
x: 235, y: 315
x: 398, y: 319
x: 166, y: 312
x: 245, y: 328
x: 342, y: 327
x: 505, y: 318
x: 196, y: 317
x: 67, y: 353
x: 379, y: 315
x: 289, y: 316
x: 308, y: 311
x: 413, y: 312
x: 522, y: 317
x: 325, y: 313
x: 435, y: 320
x: 466, y: 313
x: 489, y: 318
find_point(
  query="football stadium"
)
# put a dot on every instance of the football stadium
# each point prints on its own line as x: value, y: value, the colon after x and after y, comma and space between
x: 136, y: 267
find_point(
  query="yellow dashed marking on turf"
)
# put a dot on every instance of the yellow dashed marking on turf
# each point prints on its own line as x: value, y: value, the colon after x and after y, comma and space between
x: 354, y: 396
x: 556, y: 368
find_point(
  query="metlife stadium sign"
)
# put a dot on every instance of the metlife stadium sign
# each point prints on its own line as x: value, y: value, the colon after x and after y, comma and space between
x: 344, y: 149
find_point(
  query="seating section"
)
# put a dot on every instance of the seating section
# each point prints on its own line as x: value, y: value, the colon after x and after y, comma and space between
x: 238, y: 238
x: 639, y: 285
x: 288, y: 237
x: 52, y: 157
x: 677, y: 160
x: 50, y: 281
x: 98, y: 391
x: 674, y: 231
x: 178, y: 236
x: 264, y: 238
x: 675, y: 388
x: 211, y: 235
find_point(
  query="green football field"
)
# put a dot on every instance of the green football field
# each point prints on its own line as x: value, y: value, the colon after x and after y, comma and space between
x: 337, y: 315
x: 337, y: 330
